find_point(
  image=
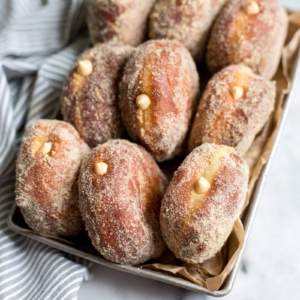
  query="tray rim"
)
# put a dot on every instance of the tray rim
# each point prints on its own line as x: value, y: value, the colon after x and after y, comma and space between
x: 156, y: 275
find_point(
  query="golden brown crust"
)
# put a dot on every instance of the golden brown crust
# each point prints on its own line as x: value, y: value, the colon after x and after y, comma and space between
x: 164, y: 71
x: 195, y: 226
x: 187, y: 21
x: 118, y: 20
x: 89, y: 102
x: 221, y: 119
x: 121, y: 207
x: 255, y: 40
x: 46, y: 184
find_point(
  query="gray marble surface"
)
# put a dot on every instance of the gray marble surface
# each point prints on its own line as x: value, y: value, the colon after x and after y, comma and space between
x: 270, y: 268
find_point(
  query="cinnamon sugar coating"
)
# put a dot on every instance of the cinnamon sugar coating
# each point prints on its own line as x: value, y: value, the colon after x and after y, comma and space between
x: 46, y: 178
x: 89, y: 102
x: 118, y: 20
x: 187, y: 21
x: 222, y: 119
x: 121, y: 207
x: 164, y: 71
x: 195, y: 226
x: 254, y: 39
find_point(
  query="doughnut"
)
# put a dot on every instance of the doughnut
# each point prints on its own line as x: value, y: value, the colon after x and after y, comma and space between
x: 248, y: 32
x: 234, y: 107
x: 46, y: 178
x: 120, y: 192
x: 187, y: 21
x: 204, y: 199
x: 158, y: 93
x: 118, y: 20
x: 90, y: 92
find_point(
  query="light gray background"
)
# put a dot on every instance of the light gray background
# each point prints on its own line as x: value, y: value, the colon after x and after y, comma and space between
x: 271, y: 261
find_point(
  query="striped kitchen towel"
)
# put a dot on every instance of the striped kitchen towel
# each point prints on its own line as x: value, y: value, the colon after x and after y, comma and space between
x: 39, y: 40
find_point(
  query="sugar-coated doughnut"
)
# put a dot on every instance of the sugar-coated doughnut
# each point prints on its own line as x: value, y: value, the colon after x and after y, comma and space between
x: 90, y: 92
x: 120, y: 192
x: 188, y: 21
x: 158, y: 93
x: 118, y: 20
x: 46, y: 178
x: 204, y: 199
x: 248, y: 32
x: 234, y: 107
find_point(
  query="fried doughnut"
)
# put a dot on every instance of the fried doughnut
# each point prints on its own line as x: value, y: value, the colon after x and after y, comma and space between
x: 204, y: 199
x: 234, y: 107
x: 248, y: 32
x: 46, y: 178
x: 118, y: 20
x: 120, y: 192
x: 89, y: 96
x: 158, y: 94
x: 187, y: 21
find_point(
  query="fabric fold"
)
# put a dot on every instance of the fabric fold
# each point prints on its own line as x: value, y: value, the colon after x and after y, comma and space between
x: 39, y: 41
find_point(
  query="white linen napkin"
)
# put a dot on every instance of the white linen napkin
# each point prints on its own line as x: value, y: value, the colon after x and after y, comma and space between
x: 39, y: 41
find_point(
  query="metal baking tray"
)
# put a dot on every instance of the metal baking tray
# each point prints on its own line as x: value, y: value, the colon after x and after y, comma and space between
x: 81, y: 245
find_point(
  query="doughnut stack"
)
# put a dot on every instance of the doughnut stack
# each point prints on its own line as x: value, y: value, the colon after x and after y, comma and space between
x: 131, y: 102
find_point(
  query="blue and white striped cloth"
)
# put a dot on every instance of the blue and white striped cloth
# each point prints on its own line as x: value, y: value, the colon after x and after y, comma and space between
x: 39, y: 40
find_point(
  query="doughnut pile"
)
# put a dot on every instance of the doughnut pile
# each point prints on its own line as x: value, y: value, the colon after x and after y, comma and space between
x: 137, y: 103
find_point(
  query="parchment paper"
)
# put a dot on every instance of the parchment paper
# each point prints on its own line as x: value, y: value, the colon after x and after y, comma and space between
x: 213, y: 272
